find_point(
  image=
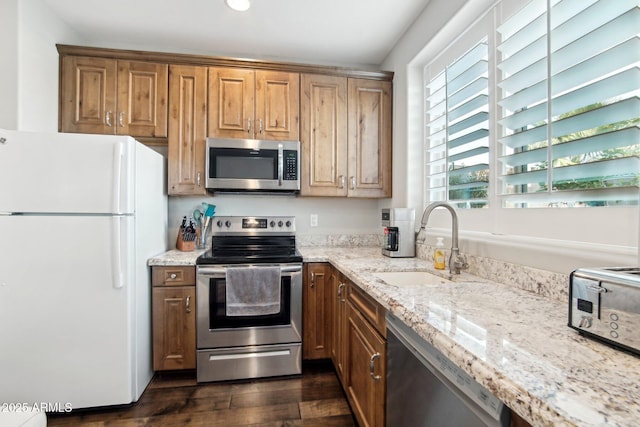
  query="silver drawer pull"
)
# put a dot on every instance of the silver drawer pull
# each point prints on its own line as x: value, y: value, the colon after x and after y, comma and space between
x: 372, y: 366
x: 188, y: 304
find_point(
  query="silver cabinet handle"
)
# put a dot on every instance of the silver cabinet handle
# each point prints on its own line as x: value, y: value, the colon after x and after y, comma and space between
x: 198, y: 179
x: 372, y: 365
x: 340, y: 297
x: 173, y: 276
x: 249, y: 125
x: 188, y: 304
x: 313, y: 279
x: 107, y: 118
x: 342, y: 181
x: 260, y: 129
x: 353, y: 182
x: 121, y: 119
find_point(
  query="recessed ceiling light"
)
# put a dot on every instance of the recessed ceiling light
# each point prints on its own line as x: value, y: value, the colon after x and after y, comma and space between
x: 239, y: 5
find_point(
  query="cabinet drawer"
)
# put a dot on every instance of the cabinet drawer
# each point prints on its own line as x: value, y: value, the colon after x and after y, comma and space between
x: 369, y: 308
x: 173, y: 276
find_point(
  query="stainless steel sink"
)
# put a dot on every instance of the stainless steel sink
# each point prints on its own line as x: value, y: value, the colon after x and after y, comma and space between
x: 411, y: 278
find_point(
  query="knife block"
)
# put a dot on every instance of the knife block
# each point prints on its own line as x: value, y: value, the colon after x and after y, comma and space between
x: 184, y: 246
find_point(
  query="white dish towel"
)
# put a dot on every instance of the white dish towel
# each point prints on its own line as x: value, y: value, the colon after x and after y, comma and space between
x: 253, y: 291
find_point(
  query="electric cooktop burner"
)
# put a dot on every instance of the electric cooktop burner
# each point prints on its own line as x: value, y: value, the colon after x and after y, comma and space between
x: 241, y: 240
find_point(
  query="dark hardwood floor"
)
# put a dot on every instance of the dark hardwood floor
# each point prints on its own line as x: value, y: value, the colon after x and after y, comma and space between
x: 313, y: 399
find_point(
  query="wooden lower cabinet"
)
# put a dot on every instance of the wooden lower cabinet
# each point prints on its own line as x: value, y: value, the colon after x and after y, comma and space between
x: 174, y: 318
x: 358, y: 348
x: 366, y: 374
x: 316, y: 294
x: 338, y: 346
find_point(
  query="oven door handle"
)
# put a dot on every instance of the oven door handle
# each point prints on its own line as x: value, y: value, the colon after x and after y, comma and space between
x: 217, y: 271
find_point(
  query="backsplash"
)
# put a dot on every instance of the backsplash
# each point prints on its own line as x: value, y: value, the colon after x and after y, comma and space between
x: 339, y: 240
x: 544, y: 283
x: 541, y: 282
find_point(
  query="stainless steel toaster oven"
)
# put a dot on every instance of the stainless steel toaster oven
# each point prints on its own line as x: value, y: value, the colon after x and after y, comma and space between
x: 604, y: 304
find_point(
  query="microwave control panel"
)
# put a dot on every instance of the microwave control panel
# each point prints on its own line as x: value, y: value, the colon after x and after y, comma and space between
x: 290, y: 165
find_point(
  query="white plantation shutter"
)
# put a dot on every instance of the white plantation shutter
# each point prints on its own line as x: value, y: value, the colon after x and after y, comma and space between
x: 522, y: 79
x: 458, y: 130
x: 570, y: 107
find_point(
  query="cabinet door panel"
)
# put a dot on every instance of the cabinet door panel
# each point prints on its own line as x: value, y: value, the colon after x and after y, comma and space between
x: 174, y: 328
x: 88, y: 95
x: 365, y: 386
x: 277, y: 105
x: 231, y: 102
x: 142, y: 99
x: 323, y: 135
x: 338, y: 349
x: 369, y: 138
x: 316, y: 315
x: 187, y: 121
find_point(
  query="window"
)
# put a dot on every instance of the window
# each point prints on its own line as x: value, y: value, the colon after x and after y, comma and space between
x: 570, y: 106
x: 458, y: 130
x: 567, y: 110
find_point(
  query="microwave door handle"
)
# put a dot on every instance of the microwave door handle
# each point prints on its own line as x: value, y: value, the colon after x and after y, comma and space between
x: 280, y: 164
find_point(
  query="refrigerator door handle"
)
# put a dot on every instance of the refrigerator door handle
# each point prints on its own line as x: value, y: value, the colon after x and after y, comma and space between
x: 118, y: 158
x: 118, y: 280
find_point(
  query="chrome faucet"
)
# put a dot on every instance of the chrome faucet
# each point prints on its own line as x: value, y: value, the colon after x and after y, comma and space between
x: 456, y: 261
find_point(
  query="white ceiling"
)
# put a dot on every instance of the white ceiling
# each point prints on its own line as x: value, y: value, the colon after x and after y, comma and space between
x: 340, y: 32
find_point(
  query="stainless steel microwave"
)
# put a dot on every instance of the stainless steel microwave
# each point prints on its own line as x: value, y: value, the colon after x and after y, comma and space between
x: 237, y: 165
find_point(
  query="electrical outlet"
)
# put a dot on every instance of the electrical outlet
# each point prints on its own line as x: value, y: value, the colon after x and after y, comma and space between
x: 313, y: 220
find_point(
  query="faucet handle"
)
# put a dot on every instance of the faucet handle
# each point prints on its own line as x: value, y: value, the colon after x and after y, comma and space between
x: 460, y: 262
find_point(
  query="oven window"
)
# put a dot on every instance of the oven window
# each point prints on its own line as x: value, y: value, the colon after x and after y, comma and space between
x: 244, y: 164
x: 217, y: 308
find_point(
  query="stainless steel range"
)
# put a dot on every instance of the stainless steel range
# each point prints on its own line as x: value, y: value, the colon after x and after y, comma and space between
x: 249, y: 300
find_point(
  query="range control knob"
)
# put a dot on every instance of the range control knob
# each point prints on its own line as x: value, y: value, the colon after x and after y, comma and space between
x: 219, y: 223
x: 288, y: 224
x: 227, y: 224
x: 272, y: 224
x: 279, y: 223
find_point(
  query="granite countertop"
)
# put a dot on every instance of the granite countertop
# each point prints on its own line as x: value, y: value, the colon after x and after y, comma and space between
x: 515, y: 343
x: 175, y: 257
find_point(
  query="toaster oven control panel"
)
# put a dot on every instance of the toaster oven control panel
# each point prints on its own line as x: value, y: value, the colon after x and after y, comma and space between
x: 606, y: 310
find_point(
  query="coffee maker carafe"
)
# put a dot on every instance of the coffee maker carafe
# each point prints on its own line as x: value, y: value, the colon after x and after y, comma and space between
x: 399, y: 232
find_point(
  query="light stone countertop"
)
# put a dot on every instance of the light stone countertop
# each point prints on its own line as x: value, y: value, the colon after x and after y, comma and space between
x: 515, y: 343
x: 175, y: 257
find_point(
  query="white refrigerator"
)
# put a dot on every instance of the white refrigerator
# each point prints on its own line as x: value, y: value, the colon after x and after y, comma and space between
x: 79, y: 217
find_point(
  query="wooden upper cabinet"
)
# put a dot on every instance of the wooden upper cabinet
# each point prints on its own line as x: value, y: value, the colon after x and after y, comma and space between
x: 346, y: 137
x: 87, y: 95
x: 323, y: 135
x: 187, y: 129
x: 142, y: 99
x: 277, y: 105
x: 102, y: 95
x: 251, y: 104
x: 369, y: 138
x: 231, y: 102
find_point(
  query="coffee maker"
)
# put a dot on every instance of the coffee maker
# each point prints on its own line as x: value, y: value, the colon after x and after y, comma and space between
x: 399, y: 232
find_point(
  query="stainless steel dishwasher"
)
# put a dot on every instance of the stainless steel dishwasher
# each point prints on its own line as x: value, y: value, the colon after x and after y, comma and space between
x: 424, y: 388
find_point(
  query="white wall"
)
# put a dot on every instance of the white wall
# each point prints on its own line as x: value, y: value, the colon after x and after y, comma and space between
x: 39, y: 29
x: 335, y: 215
x: 9, y: 67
